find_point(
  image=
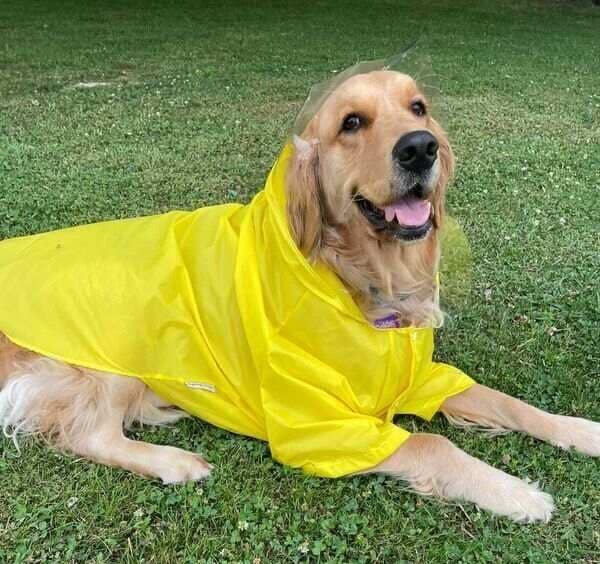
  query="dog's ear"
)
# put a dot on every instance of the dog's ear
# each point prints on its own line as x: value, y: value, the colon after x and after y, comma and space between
x: 305, y: 207
x: 446, y: 159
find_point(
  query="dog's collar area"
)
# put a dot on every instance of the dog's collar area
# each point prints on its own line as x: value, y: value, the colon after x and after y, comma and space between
x: 386, y: 221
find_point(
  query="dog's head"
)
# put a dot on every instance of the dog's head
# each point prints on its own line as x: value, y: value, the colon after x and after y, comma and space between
x: 371, y: 159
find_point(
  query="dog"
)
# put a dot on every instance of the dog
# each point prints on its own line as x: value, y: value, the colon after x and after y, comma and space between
x: 365, y: 199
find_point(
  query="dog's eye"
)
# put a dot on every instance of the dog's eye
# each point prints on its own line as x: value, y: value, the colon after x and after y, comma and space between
x: 418, y: 108
x: 352, y: 122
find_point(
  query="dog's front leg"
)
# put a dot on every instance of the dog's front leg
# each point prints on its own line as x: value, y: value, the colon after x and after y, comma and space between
x: 488, y: 408
x: 431, y: 464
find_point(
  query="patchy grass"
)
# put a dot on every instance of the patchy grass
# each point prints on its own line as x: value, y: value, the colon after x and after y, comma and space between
x: 196, y: 103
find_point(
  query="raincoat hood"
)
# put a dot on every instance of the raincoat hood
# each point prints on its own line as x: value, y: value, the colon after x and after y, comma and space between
x: 218, y: 312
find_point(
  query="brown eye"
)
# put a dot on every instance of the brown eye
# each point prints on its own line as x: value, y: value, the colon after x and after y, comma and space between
x: 418, y: 108
x: 352, y: 123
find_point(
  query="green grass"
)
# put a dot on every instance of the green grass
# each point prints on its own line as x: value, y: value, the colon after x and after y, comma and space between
x: 198, y: 102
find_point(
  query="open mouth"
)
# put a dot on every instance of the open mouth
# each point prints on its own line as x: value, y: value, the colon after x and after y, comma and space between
x: 409, y: 218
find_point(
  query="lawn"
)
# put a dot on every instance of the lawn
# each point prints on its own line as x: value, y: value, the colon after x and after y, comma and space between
x: 193, y: 105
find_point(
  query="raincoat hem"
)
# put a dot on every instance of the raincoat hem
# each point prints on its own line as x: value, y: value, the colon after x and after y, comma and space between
x: 89, y: 365
x: 431, y: 408
x: 352, y: 466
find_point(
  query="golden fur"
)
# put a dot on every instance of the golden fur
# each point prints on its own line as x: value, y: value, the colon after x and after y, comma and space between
x: 85, y: 412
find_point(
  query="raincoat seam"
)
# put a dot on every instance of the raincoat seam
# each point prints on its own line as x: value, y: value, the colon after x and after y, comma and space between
x: 293, y: 310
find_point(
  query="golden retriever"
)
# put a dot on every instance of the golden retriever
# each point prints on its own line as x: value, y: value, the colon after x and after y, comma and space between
x: 366, y: 195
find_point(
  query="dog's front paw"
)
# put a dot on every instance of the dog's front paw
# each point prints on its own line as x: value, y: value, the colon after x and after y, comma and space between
x: 184, y: 467
x: 530, y: 504
x: 580, y: 434
x: 516, y: 499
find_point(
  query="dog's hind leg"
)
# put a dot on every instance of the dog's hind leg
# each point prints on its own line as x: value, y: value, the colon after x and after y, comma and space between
x: 483, y: 407
x: 84, y: 412
x: 107, y: 444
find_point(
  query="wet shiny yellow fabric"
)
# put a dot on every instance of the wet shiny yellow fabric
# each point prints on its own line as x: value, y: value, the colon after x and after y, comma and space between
x: 218, y: 312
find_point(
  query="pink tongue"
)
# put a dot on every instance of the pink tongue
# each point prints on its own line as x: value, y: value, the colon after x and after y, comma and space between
x: 411, y: 212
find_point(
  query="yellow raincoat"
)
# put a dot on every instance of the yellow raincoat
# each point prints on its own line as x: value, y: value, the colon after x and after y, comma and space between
x: 218, y: 312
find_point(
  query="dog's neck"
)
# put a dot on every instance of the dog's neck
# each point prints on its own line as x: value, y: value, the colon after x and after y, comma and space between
x: 386, y: 277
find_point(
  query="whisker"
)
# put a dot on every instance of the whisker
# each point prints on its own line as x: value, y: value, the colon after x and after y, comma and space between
x: 350, y: 202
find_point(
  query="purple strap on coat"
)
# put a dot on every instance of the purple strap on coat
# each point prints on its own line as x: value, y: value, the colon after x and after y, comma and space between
x: 389, y: 322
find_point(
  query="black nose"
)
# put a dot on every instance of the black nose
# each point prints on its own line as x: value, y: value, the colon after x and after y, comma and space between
x: 416, y: 151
